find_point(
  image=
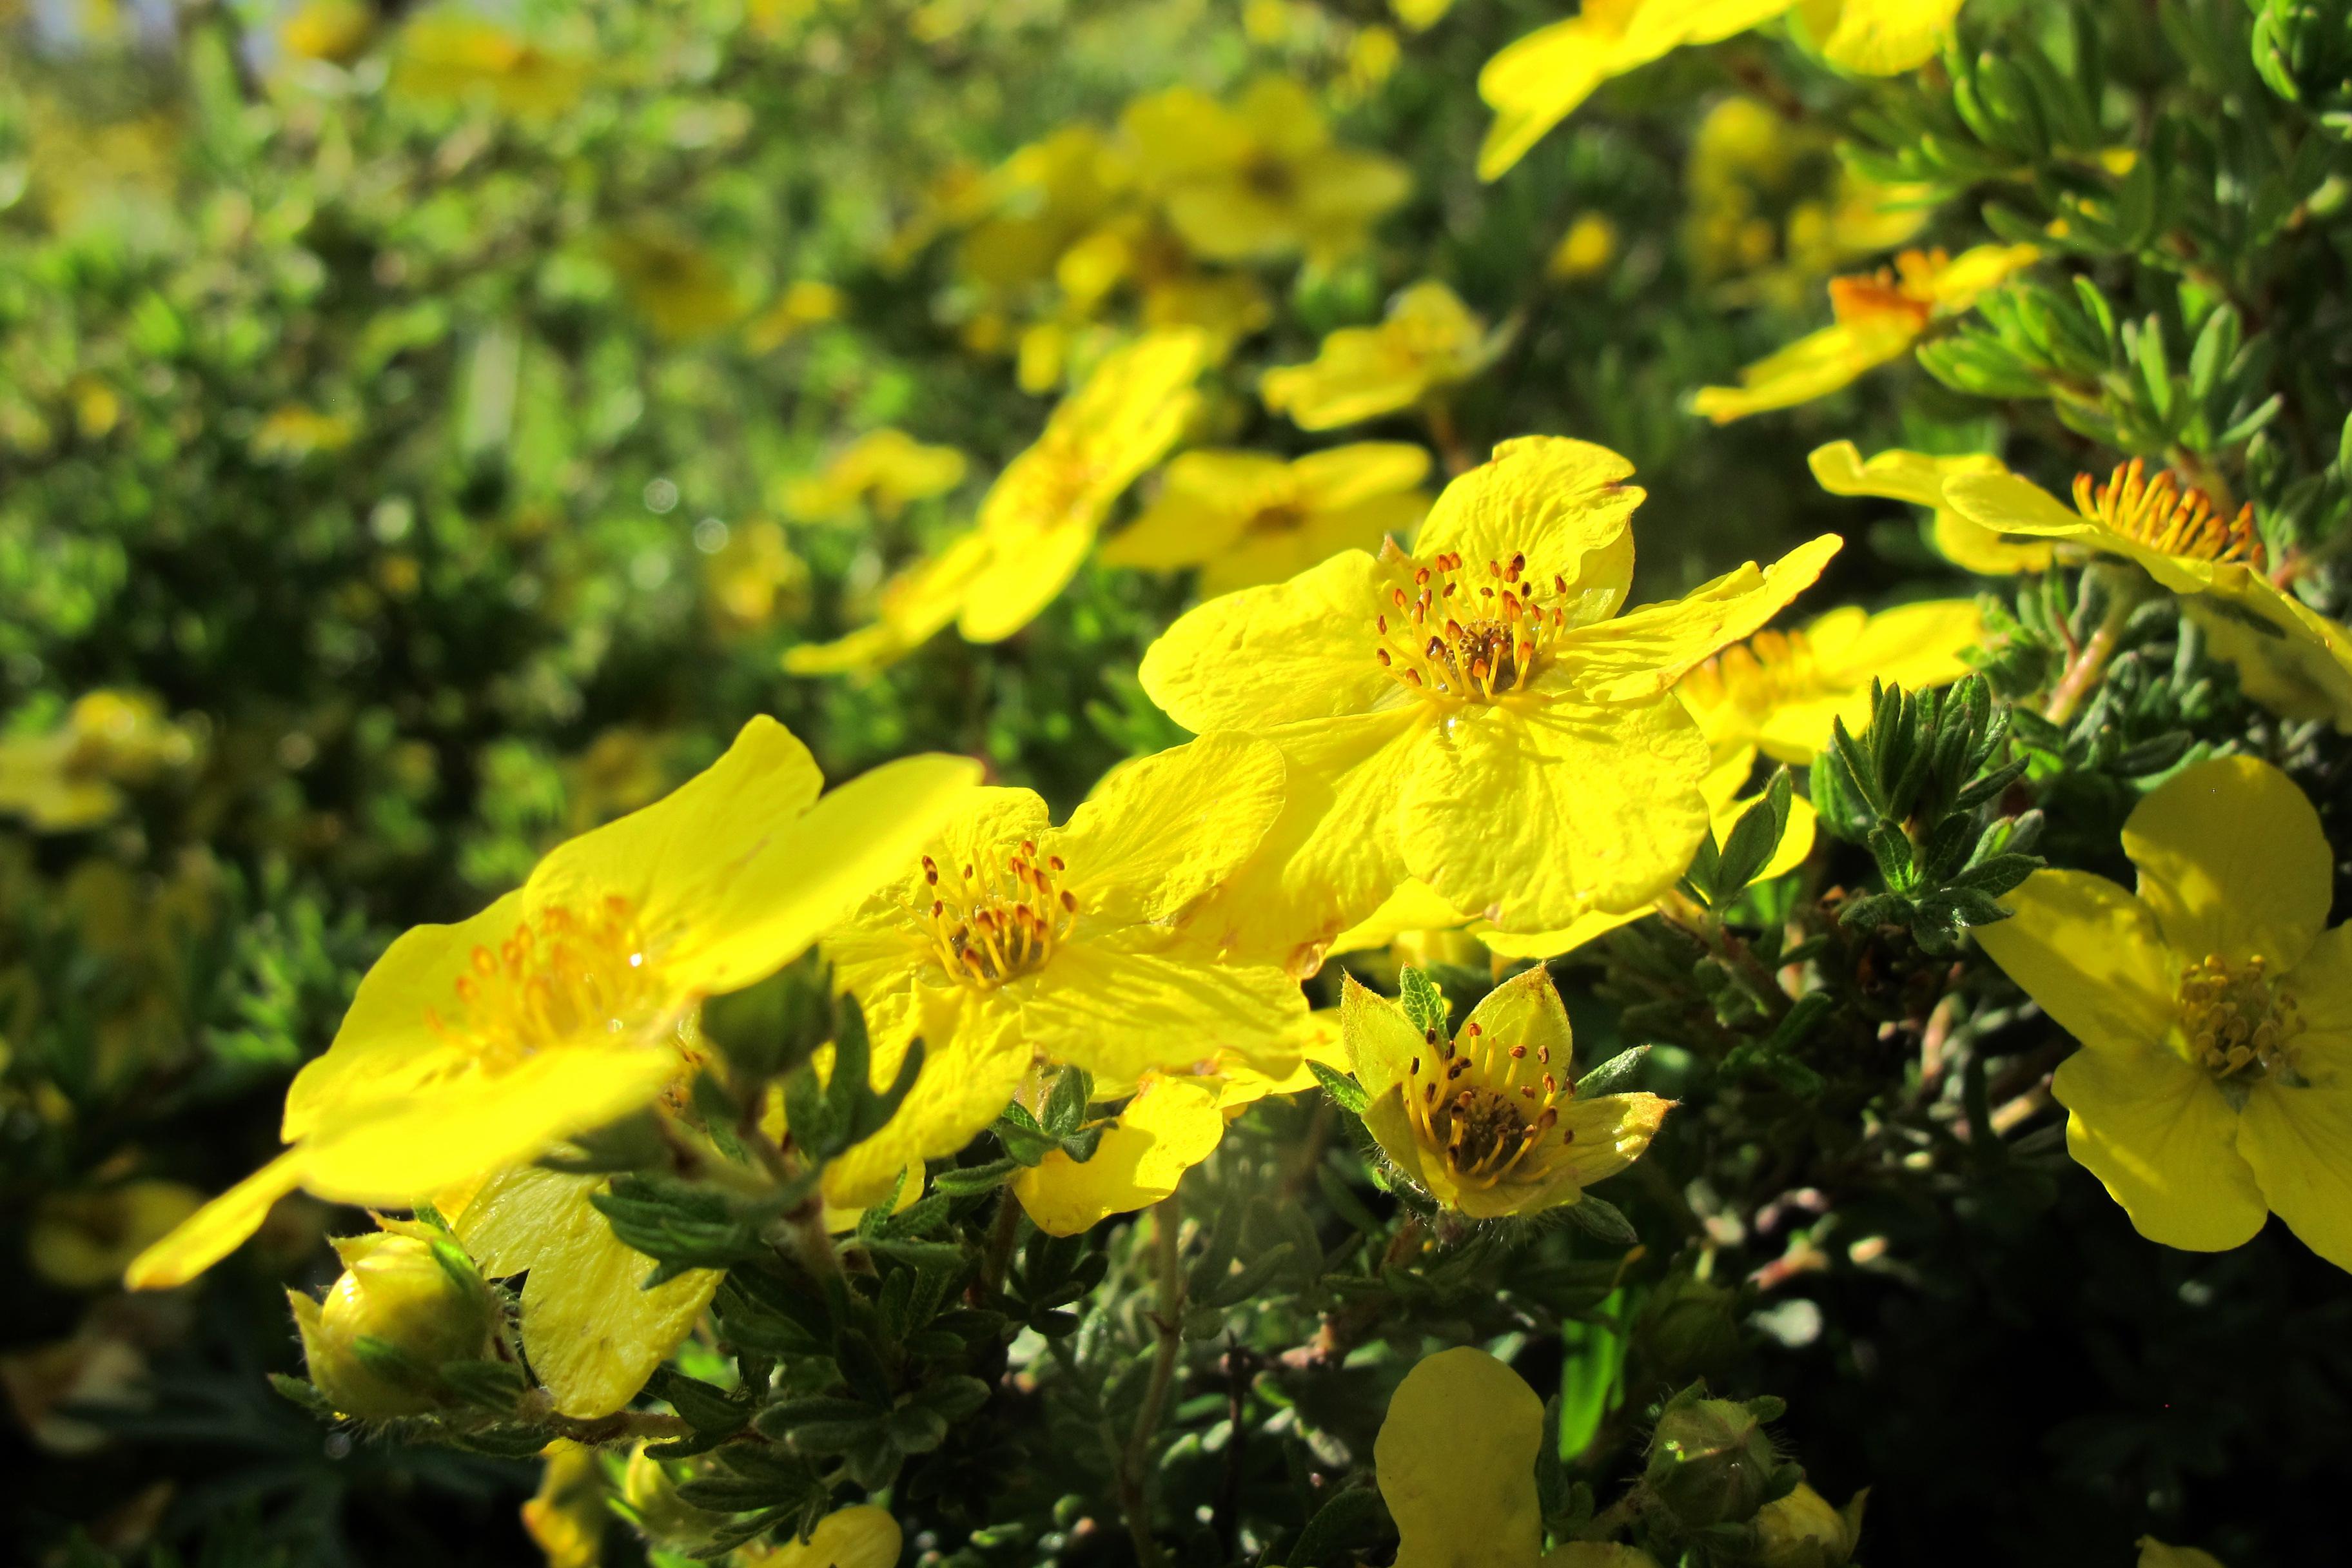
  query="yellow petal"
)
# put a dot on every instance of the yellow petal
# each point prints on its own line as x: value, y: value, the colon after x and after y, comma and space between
x: 1379, y: 1040
x: 1172, y: 1125
x: 2288, y: 656
x: 1645, y: 651
x: 1882, y: 37
x: 2299, y: 1142
x: 1564, y: 503
x: 1161, y: 834
x: 2006, y: 503
x: 1534, y: 818
x: 592, y: 1336
x: 914, y: 606
x: 1414, y: 906
x: 973, y: 1061
x: 1278, y: 555
x: 1526, y: 1010
x: 1611, y: 1132
x: 1456, y: 1460
x: 2159, y: 1136
x: 1120, y: 1014
x: 566, y: 1517
x: 861, y: 1536
x: 2155, y: 1553
x: 1020, y: 580
x: 215, y: 1230
x: 1562, y: 939
x: 2233, y: 861
x: 1351, y: 475
x: 1273, y: 655
x: 1205, y: 500
x: 1812, y: 367
x: 404, y: 1147
x: 1919, y: 478
x: 2090, y: 954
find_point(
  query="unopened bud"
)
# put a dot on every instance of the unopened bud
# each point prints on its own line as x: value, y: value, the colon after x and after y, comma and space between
x: 1802, y: 1531
x: 375, y: 1343
x: 1710, y: 1462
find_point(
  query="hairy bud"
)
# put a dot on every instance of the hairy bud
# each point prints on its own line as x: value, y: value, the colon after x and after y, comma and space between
x: 1710, y: 1461
x: 401, y: 1308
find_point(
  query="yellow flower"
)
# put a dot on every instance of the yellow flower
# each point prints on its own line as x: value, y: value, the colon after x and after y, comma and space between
x: 756, y: 577
x: 1040, y: 518
x: 880, y: 473
x: 1430, y: 341
x: 2288, y: 656
x: 1259, y: 180
x: 67, y: 780
x: 2155, y: 1553
x: 445, y: 55
x: 472, y: 1048
x: 565, y: 1519
x: 1782, y: 691
x: 1029, y: 210
x: 676, y: 285
x: 1879, y: 319
x: 861, y: 1536
x: 2214, y: 1010
x: 1586, y: 249
x: 1419, y: 16
x: 1489, y: 1122
x: 1174, y: 1122
x: 1541, y: 80
x: 393, y: 1288
x: 1456, y: 1458
x: 335, y: 30
x: 82, y: 1240
x: 1802, y: 1531
x: 803, y: 304
x: 1919, y: 478
x: 1014, y: 941
x: 293, y: 433
x: 1246, y: 518
x: 1476, y: 714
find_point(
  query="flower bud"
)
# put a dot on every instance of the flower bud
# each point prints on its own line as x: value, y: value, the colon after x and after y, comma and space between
x: 667, y: 1520
x: 1710, y: 1462
x: 1802, y: 1531
x: 376, y: 1342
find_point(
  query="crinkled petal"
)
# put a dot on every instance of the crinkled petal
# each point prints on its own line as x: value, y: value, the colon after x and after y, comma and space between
x: 1456, y: 1460
x: 1564, y: 503
x: 2090, y: 954
x: 1611, y: 1132
x: 1533, y: 818
x: 1172, y: 1125
x: 2232, y: 862
x: 1274, y: 654
x: 593, y: 1335
x: 1645, y: 652
x: 2288, y: 656
x: 2159, y: 1136
x: 1120, y: 1014
x: 1414, y: 906
x: 1161, y: 834
x: 215, y: 1230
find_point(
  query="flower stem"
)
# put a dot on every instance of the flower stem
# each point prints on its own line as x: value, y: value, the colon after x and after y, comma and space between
x: 2089, y: 663
x: 1167, y: 1325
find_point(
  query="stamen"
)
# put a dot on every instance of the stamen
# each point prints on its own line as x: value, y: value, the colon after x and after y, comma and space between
x: 2161, y: 514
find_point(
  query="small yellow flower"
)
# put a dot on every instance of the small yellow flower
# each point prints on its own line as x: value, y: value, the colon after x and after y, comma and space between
x: 565, y: 1519
x: 879, y: 474
x: 293, y: 433
x: 1014, y: 941
x: 1879, y: 319
x: 83, y: 1240
x: 472, y: 1048
x: 1261, y: 179
x: 334, y: 30
x: 2214, y: 1009
x: 1489, y: 1122
x: 1419, y: 16
x: 1246, y: 518
x: 861, y: 1536
x: 1430, y: 341
x: 1541, y: 80
x: 1174, y: 1122
x: 2289, y: 656
x: 1040, y: 518
x: 1476, y: 714
x: 1919, y: 478
x: 447, y: 55
x: 803, y: 304
x: 67, y: 779
x: 1022, y: 216
x: 1456, y: 1460
x: 2155, y: 1553
x: 676, y: 284
x: 756, y: 577
x: 1586, y: 249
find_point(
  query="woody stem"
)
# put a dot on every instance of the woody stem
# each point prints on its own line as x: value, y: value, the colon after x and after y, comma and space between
x: 2089, y: 665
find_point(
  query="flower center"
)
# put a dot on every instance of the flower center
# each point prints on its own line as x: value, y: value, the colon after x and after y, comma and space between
x: 1283, y: 517
x: 2162, y: 516
x: 1469, y: 634
x: 565, y: 977
x: 1052, y: 483
x: 994, y: 923
x: 1483, y: 1108
x: 2238, y: 1024
x: 1767, y: 671
x: 1270, y: 178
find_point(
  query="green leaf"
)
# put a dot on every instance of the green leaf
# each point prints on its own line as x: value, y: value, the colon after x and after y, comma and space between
x: 1603, y: 1220
x: 1616, y: 1076
x: 1340, y: 1087
x: 1423, y: 1003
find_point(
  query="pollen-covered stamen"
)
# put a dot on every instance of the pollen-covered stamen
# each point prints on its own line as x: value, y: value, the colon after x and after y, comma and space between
x: 2161, y: 514
x: 998, y: 921
x: 2238, y: 1024
x: 1490, y: 1111
x: 1905, y: 293
x: 1470, y: 633
x: 565, y: 976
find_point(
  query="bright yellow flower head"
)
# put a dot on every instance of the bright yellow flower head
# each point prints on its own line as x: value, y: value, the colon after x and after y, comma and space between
x: 1541, y: 80
x: 1781, y: 692
x: 448, y: 54
x: 1246, y: 518
x: 881, y: 473
x: 1879, y: 319
x: 1430, y: 341
x: 1476, y: 714
x: 1036, y: 205
x: 69, y: 779
x: 1489, y: 1122
x: 472, y: 1048
x: 2214, y: 1010
x: 1919, y: 478
x: 1262, y: 179
x: 1456, y: 1464
x: 1041, y: 517
x: 2288, y: 656
x: 1013, y: 941
x: 1174, y: 1122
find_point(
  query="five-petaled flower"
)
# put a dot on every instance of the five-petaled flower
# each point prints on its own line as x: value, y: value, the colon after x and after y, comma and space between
x: 1246, y: 518
x: 2214, y: 1009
